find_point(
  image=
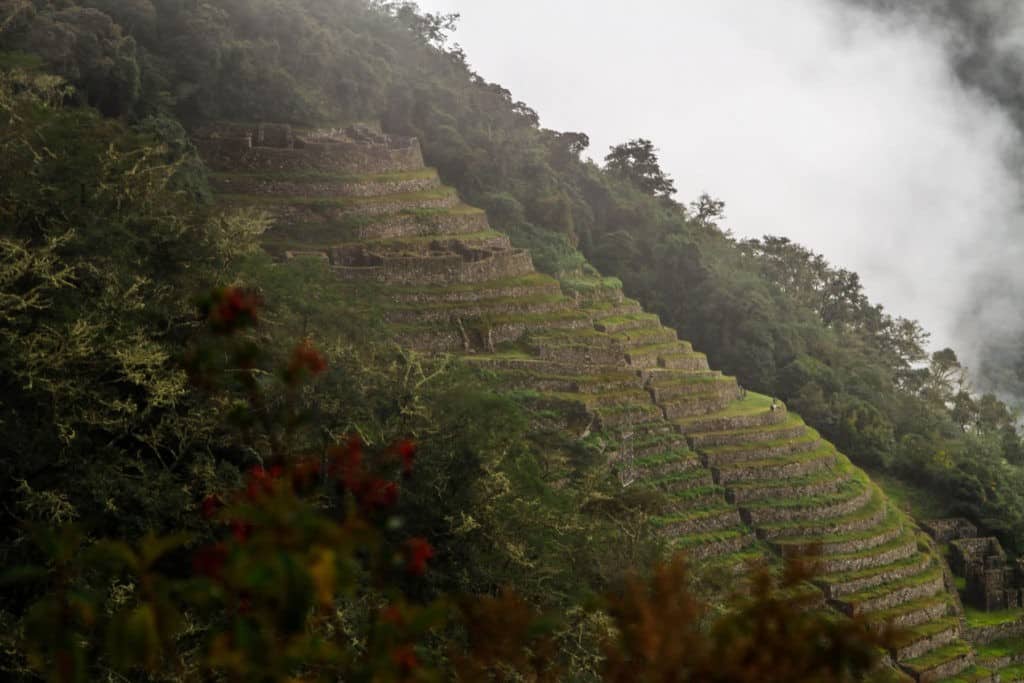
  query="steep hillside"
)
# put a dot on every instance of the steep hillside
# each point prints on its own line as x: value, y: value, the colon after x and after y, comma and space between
x: 742, y: 477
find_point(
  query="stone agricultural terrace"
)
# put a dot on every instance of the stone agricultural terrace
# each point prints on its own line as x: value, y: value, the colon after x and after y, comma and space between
x: 744, y: 477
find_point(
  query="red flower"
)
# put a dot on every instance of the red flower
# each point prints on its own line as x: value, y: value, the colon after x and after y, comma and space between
x: 241, y: 530
x: 378, y: 493
x: 347, y: 463
x: 209, y: 561
x: 305, y: 360
x: 404, y: 658
x: 261, y: 480
x: 392, y: 615
x: 407, y: 451
x: 418, y: 552
x: 231, y: 308
x: 211, y: 505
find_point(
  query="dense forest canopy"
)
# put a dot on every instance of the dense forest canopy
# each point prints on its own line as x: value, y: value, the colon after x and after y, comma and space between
x: 108, y: 235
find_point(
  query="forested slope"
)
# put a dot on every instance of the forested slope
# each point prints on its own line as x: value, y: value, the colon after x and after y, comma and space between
x: 778, y: 317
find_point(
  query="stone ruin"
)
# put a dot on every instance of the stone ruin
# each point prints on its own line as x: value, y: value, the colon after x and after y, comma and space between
x: 992, y: 583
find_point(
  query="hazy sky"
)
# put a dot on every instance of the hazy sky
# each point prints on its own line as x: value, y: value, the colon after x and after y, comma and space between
x: 810, y: 119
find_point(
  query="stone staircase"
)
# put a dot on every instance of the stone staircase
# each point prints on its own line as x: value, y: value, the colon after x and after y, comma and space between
x: 739, y: 475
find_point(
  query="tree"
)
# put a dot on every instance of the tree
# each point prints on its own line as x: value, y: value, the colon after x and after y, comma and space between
x: 637, y: 161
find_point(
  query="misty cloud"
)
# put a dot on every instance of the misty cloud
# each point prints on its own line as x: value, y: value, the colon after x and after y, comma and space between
x: 853, y: 131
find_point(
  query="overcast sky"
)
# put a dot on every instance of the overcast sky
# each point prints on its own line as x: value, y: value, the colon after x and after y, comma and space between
x: 810, y: 119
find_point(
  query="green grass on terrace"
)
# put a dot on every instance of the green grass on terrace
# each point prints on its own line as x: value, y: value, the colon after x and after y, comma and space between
x: 324, y: 175
x: 751, y: 404
x: 677, y: 455
x: 976, y: 674
x: 976, y: 618
x: 1008, y: 675
x: 683, y: 542
x: 935, y: 601
x: 590, y: 284
x: 849, y: 488
x: 294, y: 242
x: 887, y: 524
x: 498, y: 302
x: 264, y: 200
x: 929, y: 575
x: 808, y: 436
x: 936, y: 657
x: 824, y: 450
x: 841, y: 468
x: 531, y: 280
x: 790, y: 422
x: 1002, y: 648
x: 845, y: 577
x: 873, y: 505
x: 632, y: 317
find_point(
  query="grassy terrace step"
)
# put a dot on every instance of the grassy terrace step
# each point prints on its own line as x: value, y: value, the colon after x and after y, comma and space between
x: 534, y: 284
x: 1009, y: 674
x: 424, y: 246
x: 622, y: 323
x: 885, y: 596
x: 315, y: 184
x: 685, y: 470
x: 607, y: 309
x: 683, y: 360
x: 580, y: 384
x: 628, y: 414
x: 665, y: 386
x: 789, y: 428
x: 332, y: 224
x: 842, y: 584
x: 912, y: 613
x: 704, y: 546
x: 944, y: 662
x: 726, y: 455
x: 647, y: 357
x: 825, y: 481
x: 920, y: 640
x: 440, y: 198
x: 700, y: 521
x: 636, y: 396
x: 981, y: 674
x: 1001, y: 653
x: 824, y: 540
x: 501, y: 307
x: 795, y: 464
x: 889, y: 542
x: 754, y: 410
x: 699, y: 497
x: 860, y: 521
x: 853, y: 494
x: 693, y: 405
x: 644, y: 337
x: 505, y: 327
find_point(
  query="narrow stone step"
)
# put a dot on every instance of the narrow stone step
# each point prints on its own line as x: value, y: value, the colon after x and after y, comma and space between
x: 913, y: 613
x: 447, y: 269
x: 729, y: 455
x: 889, y: 595
x: 477, y: 309
x: 694, y: 405
x: 839, y: 585
x: 795, y: 465
x: 684, y: 468
x: 707, y: 546
x: 627, y: 323
x: 851, y: 550
x: 697, y: 521
x: 855, y: 496
x: 866, y: 517
x: 688, y: 384
x: 324, y: 185
x: 753, y: 411
x: 529, y: 286
x: 827, y: 481
x: 920, y: 640
x: 790, y: 428
x: 944, y: 662
x: 683, y: 360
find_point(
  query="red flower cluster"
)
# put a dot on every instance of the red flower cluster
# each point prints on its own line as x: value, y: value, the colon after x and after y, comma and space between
x: 407, y: 452
x: 232, y: 308
x: 261, y: 480
x: 305, y: 360
x: 404, y: 658
x: 209, y: 561
x: 417, y: 552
